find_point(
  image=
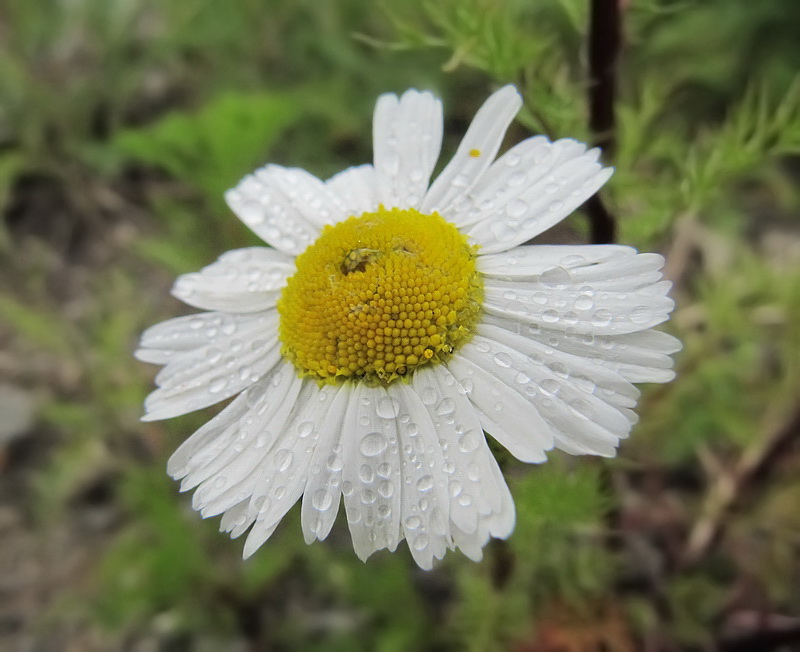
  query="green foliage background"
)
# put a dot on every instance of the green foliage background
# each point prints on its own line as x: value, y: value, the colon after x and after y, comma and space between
x: 121, y: 124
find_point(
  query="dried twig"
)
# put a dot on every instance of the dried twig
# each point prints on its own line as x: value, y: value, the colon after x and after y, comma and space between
x: 729, y: 487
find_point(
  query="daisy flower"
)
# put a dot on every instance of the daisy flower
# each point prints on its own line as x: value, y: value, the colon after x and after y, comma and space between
x: 391, y: 323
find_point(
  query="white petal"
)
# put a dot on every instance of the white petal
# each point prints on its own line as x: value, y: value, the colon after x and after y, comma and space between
x: 324, y: 488
x: 236, y: 475
x: 642, y: 357
x: 425, y: 503
x: 285, y: 207
x: 371, y: 474
x: 499, y: 524
x: 244, y: 280
x: 356, y: 188
x: 243, y: 349
x: 283, y: 479
x: 528, y: 263
x: 472, y: 487
x: 546, y: 195
x: 606, y: 299
x: 407, y: 137
x: 581, y: 421
x: 247, y: 428
x: 476, y: 151
x: 503, y: 412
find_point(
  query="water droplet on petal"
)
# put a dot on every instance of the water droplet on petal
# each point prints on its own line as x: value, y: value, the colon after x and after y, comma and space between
x: 421, y: 542
x: 387, y: 407
x: 602, y: 317
x: 425, y: 483
x: 366, y: 473
x: 373, y: 444
x: 283, y: 458
x: 322, y: 500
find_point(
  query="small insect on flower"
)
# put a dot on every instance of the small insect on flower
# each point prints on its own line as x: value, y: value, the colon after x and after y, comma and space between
x: 391, y: 322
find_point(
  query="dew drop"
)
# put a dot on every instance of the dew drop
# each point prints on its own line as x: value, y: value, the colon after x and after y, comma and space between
x: 640, y: 315
x: 584, y: 302
x: 446, y: 406
x: 550, y: 386
x: 387, y: 407
x: 421, y: 542
x: 425, y: 483
x: 217, y: 386
x: 384, y: 469
x: 283, y: 459
x: 429, y: 395
x: 322, y: 500
x: 368, y: 496
x: 550, y: 316
x: 517, y: 179
x: 602, y: 317
x: 555, y: 276
x: 385, y: 488
x: 502, y: 359
x: 373, y: 444
x: 517, y: 208
x: 305, y: 429
x: 469, y: 441
x: 413, y: 523
x: 335, y: 463
x: 366, y: 473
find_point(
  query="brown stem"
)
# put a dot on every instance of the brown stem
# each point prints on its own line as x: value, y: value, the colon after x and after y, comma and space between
x: 604, y: 44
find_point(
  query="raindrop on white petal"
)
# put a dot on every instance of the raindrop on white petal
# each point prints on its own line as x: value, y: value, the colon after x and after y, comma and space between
x: 550, y: 386
x: 412, y: 522
x: 305, y: 429
x: 373, y: 444
x: 446, y: 406
x: 385, y: 488
x: 428, y: 395
x: 584, y: 302
x: 368, y: 496
x: 366, y: 473
x: 283, y: 458
x: 322, y: 500
x: 387, y: 407
x: 517, y: 208
x: 425, y: 483
x: 335, y: 463
x: 469, y: 441
x: 421, y: 542
x: 550, y: 316
x: 502, y: 359
x: 217, y: 386
x: 555, y: 276
x: 602, y: 317
x: 640, y: 315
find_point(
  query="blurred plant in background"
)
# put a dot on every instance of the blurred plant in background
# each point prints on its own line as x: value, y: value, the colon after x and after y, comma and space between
x: 121, y: 123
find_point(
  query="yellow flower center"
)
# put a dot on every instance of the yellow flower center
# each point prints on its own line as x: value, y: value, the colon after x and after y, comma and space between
x: 378, y: 295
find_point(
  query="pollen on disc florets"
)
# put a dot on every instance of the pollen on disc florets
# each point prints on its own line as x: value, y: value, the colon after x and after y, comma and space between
x: 378, y: 295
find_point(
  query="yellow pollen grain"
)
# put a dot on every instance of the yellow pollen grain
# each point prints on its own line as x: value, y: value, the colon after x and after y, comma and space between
x: 474, y: 153
x: 379, y: 295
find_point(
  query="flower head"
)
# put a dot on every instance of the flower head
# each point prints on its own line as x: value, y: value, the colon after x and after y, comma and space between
x: 391, y: 323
